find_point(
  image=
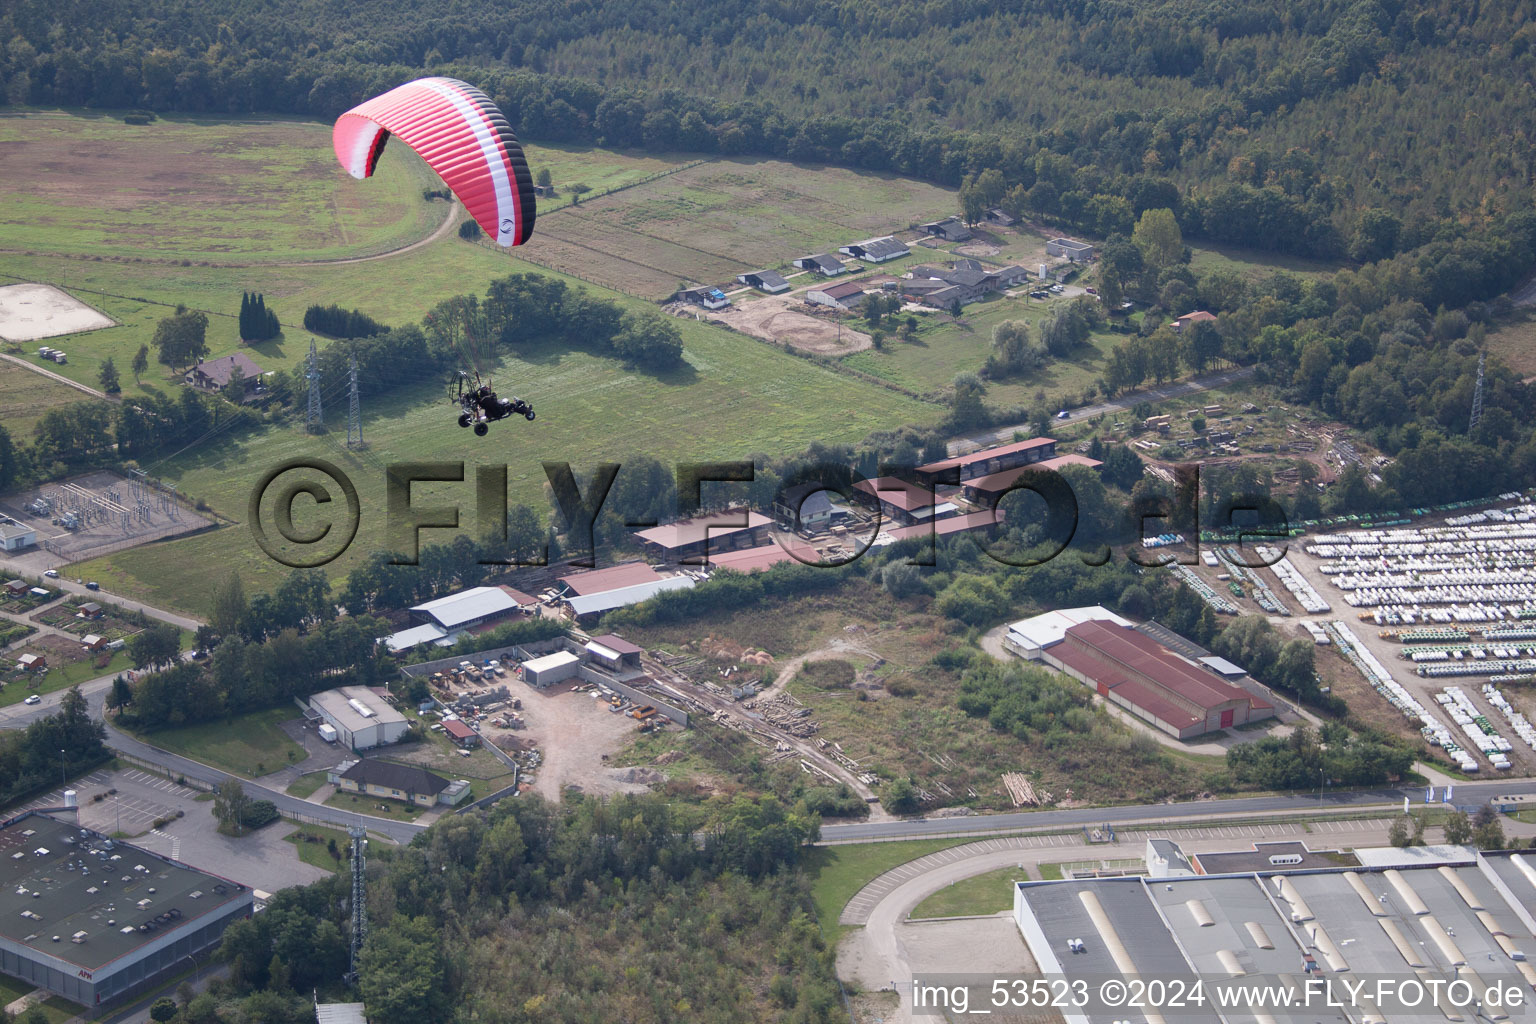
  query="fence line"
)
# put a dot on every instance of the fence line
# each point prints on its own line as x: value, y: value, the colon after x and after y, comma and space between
x: 180, y: 778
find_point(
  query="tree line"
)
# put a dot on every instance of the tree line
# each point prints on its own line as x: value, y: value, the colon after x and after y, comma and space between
x: 1241, y: 100
x: 705, y: 904
x: 67, y: 742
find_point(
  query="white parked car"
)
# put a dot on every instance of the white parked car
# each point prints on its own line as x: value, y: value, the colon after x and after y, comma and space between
x: 33, y: 699
x: 52, y: 574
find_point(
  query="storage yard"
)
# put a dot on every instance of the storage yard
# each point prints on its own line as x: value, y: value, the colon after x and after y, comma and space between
x: 1443, y: 624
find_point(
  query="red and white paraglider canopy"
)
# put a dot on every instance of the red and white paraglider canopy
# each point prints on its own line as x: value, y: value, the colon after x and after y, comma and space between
x: 461, y: 135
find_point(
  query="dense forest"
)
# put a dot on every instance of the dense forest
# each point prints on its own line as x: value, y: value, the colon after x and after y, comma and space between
x: 593, y: 910
x: 1322, y: 108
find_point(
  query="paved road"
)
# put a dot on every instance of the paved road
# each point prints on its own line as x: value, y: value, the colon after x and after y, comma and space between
x: 72, y: 586
x: 19, y: 716
x: 971, y: 442
x: 1465, y: 793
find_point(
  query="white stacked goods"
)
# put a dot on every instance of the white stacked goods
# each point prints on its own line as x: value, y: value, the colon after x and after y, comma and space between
x: 1517, y: 721
x: 1319, y: 636
x: 1474, y: 724
x: 1305, y: 594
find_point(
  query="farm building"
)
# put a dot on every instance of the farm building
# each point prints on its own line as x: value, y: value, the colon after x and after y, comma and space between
x: 770, y: 281
x: 399, y: 782
x: 989, y: 460
x: 91, y: 610
x: 986, y: 489
x: 215, y: 374
x: 67, y: 928
x: 1199, y: 316
x: 597, y: 581
x: 691, y: 540
x: 551, y: 669
x: 613, y: 653
x: 362, y: 720
x: 14, y: 536
x: 965, y: 281
x: 822, y: 263
x: 998, y: 217
x: 462, y: 735
x: 950, y: 229
x: 903, y: 502
x: 426, y: 634
x: 876, y: 250
x: 1067, y: 249
x: 1130, y: 669
x: 607, y: 601
x: 468, y: 609
x: 847, y: 295
x: 941, y: 528
x: 709, y: 298
x: 753, y: 559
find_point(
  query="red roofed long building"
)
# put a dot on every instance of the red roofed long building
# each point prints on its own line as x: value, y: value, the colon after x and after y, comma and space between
x: 990, y: 460
x: 1130, y: 669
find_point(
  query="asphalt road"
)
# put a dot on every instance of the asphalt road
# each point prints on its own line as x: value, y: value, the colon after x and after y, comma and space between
x: 970, y: 442
x: 28, y: 568
x: 19, y: 716
x: 1465, y: 793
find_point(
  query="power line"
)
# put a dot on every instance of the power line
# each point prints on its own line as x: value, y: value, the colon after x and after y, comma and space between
x: 354, y: 411
x: 314, y: 420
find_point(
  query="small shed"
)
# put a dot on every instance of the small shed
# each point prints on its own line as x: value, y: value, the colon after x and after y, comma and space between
x: 461, y: 734
x: 92, y: 642
x: 31, y: 661
x: 550, y: 669
x: 16, y: 587
x: 91, y: 610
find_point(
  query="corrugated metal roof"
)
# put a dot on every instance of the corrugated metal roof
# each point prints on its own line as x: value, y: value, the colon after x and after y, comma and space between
x: 597, y: 581
x: 467, y: 606
x: 339, y: 1013
x: 1142, y: 656
x: 611, y: 599
x: 617, y: 644
x: 752, y: 559
x: 693, y: 531
x: 888, y: 490
x: 550, y: 661
x: 413, y: 637
x: 987, y: 453
x: 1049, y: 628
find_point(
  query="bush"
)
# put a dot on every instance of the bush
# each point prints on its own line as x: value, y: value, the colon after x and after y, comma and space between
x: 260, y: 813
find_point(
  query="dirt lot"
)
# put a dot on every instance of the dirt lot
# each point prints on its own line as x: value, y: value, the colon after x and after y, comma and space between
x: 574, y: 733
x: 31, y: 312
x: 782, y: 320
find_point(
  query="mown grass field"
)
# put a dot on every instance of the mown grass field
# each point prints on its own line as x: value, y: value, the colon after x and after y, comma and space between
x: 837, y: 873
x: 195, y: 189
x: 736, y: 397
x: 250, y: 745
x: 710, y: 222
x: 317, y: 853
x: 26, y: 397
x: 980, y: 894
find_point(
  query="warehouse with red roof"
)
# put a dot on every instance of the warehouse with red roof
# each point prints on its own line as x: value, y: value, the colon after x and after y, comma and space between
x: 1134, y: 671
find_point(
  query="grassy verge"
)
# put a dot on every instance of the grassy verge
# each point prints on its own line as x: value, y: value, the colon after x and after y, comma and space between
x: 377, y: 807
x: 312, y: 843
x: 1050, y: 872
x: 250, y: 745
x: 305, y: 785
x: 837, y: 873
x: 12, y: 989
x: 983, y: 894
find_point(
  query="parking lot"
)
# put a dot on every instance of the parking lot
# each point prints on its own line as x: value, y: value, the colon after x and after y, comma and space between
x: 260, y: 859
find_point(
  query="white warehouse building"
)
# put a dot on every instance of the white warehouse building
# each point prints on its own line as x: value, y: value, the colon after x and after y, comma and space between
x: 361, y: 718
